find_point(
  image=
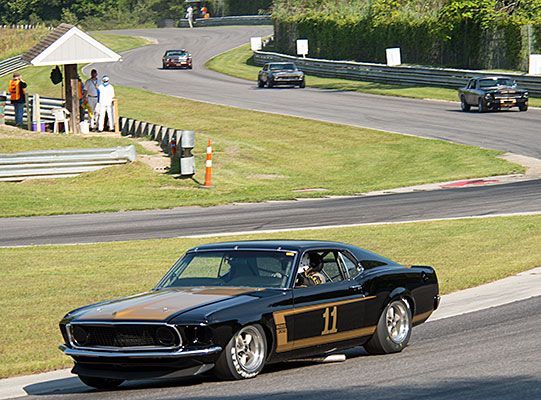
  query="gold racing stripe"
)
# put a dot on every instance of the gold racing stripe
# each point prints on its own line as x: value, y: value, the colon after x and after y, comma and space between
x: 422, y: 316
x: 281, y: 327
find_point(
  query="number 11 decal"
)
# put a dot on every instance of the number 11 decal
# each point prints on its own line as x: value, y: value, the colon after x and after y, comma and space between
x: 327, y: 315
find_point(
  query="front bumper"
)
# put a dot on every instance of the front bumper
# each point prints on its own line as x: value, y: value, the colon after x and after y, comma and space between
x: 138, y: 354
x: 179, y: 64
x: 287, y: 80
x: 508, y: 102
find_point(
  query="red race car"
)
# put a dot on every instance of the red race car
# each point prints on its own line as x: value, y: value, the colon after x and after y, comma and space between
x: 177, y: 58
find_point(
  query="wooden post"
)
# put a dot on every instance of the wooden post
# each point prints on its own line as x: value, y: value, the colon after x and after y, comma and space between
x: 115, y: 116
x: 28, y: 113
x: 72, y: 96
x: 36, y: 112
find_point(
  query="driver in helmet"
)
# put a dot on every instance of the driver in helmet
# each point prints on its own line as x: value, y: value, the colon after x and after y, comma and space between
x: 310, y: 270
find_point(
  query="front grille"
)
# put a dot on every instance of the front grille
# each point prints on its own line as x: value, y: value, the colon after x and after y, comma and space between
x: 124, y: 335
x: 505, y: 96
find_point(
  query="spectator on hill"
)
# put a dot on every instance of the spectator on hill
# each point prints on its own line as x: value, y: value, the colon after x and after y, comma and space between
x: 16, y: 88
x: 106, y: 93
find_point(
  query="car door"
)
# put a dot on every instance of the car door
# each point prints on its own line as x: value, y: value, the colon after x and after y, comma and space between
x: 328, y: 312
x: 469, y: 93
x: 264, y: 73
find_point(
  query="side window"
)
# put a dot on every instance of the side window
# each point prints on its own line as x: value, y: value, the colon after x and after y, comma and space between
x: 350, y: 265
x: 471, y: 84
x: 331, y: 269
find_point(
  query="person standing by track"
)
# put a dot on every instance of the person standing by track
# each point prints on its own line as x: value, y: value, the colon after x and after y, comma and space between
x: 90, y: 95
x: 106, y: 94
x: 16, y: 88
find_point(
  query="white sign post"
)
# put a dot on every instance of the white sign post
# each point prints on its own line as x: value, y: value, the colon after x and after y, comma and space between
x: 256, y: 43
x: 393, y: 56
x: 302, y: 47
x: 535, y: 64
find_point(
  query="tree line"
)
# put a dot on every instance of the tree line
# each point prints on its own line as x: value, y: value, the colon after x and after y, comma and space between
x: 92, y: 14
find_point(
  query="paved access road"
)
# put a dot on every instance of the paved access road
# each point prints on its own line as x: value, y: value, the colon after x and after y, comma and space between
x: 513, y: 131
x: 488, y: 354
x: 518, y: 197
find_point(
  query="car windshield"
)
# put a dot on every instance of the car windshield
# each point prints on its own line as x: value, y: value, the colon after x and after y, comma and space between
x: 177, y: 53
x: 493, y: 82
x: 275, y: 67
x: 233, y: 268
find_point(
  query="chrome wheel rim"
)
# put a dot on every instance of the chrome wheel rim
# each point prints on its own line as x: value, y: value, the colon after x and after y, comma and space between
x: 249, y: 349
x: 397, y: 321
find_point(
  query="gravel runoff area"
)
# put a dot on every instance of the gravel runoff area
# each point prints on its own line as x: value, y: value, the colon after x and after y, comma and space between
x: 515, y: 288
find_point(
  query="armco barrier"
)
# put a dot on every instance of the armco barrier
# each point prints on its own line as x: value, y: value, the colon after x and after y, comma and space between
x: 61, y: 163
x: 232, y: 20
x: 46, y: 104
x: 11, y: 65
x: 401, y: 75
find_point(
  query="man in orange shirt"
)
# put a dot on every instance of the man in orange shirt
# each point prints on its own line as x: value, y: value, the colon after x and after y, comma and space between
x: 16, y: 88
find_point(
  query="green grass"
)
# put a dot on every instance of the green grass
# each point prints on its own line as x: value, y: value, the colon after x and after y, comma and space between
x: 253, y: 160
x: 40, y: 284
x: 16, y: 41
x: 238, y: 63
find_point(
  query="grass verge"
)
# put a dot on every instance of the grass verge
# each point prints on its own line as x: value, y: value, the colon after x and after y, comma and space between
x: 238, y: 63
x: 41, y: 284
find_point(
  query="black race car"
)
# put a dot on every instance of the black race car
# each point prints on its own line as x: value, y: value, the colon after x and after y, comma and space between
x: 234, y: 307
x: 280, y: 73
x: 492, y: 93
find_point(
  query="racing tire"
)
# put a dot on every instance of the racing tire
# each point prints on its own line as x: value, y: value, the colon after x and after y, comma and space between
x: 190, y: 67
x: 244, y: 356
x: 393, y: 330
x: 465, y: 106
x: 302, y: 84
x: 165, y: 66
x: 523, y: 107
x: 100, y: 383
x: 270, y: 83
x: 260, y: 83
x: 482, y: 106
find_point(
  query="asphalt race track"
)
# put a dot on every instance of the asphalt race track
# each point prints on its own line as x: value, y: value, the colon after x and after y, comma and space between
x: 490, y: 354
x: 513, y: 131
x: 517, y: 197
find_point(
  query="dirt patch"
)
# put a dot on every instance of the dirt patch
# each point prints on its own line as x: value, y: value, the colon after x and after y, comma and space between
x: 159, y: 162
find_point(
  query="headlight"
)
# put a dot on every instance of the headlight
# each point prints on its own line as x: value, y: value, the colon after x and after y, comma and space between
x: 525, y: 95
x: 488, y: 96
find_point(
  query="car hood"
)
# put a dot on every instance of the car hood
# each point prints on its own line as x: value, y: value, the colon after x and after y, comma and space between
x: 158, y: 305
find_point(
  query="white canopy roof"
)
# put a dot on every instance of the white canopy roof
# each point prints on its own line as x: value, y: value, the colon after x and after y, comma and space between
x: 67, y: 44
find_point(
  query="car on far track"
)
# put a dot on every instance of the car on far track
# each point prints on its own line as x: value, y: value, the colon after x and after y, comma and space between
x: 492, y: 93
x: 280, y: 73
x: 234, y: 307
x: 177, y: 58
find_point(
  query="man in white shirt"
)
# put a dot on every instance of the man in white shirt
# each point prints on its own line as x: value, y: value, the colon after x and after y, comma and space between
x: 90, y: 95
x: 106, y: 94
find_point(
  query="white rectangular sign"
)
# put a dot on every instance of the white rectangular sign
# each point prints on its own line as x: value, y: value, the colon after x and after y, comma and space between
x: 535, y: 64
x: 256, y: 43
x: 393, y: 56
x: 302, y: 47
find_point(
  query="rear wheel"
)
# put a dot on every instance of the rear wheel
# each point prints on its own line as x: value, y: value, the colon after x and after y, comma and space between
x: 523, y: 107
x: 393, y: 330
x: 244, y: 356
x: 100, y: 383
x: 465, y: 106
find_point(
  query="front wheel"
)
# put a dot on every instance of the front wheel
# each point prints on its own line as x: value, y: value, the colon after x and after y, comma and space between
x: 482, y: 105
x: 244, y: 356
x: 260, y: 83
x: 465, y: 106
x: 269, y: 83
x: 393, y: 330
x: 523, y: 107
x: 100, y: 383
x: 302, y: 84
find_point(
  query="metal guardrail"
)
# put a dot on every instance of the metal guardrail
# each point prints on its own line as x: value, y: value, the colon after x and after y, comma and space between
x: 11, y: 65
x: 61, y: 163
x: 46, y: 105
x: 231, y: 20
x: 401, y: 75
